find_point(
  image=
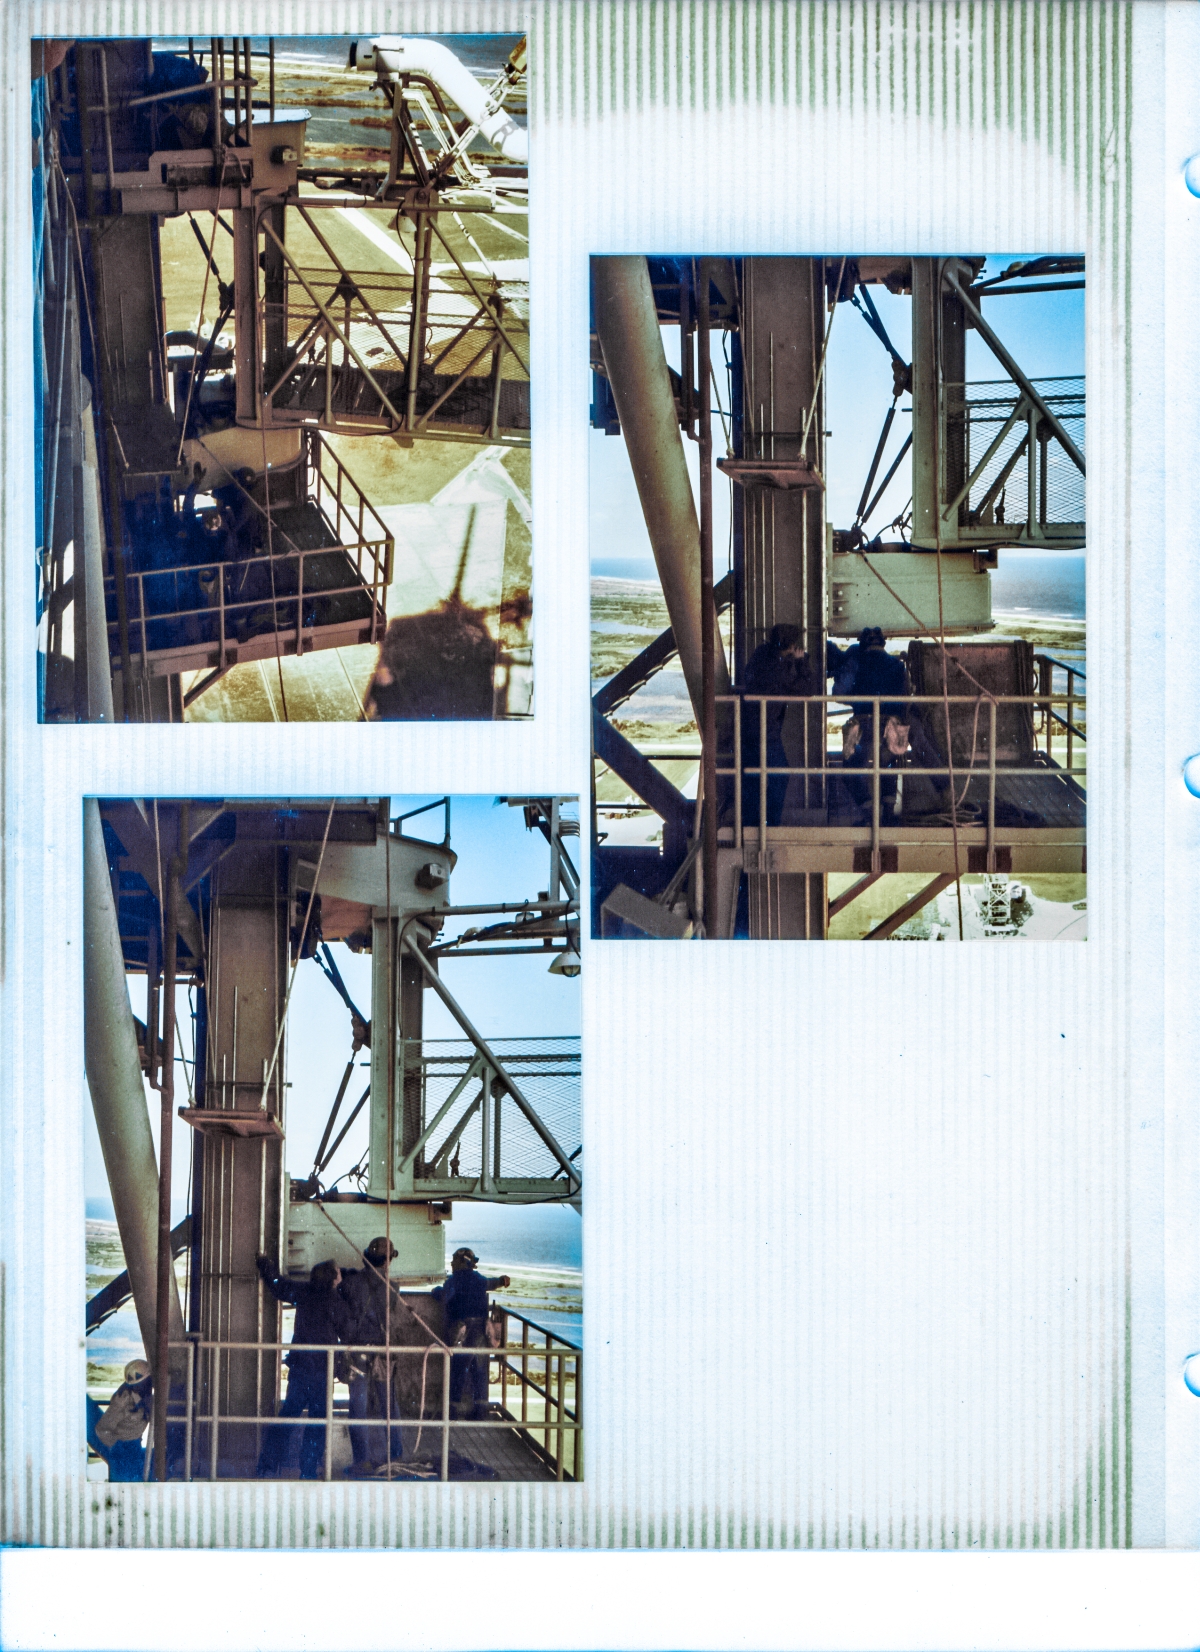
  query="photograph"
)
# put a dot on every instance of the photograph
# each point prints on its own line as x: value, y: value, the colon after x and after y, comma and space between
x: 333, y: 1163
x: 281, y: 379
x: 838, y: 598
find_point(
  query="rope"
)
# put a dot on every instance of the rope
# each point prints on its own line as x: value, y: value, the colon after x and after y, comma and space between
x: 821, y: 365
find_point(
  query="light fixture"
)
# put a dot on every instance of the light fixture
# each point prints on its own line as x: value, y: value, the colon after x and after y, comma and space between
x: 567, y: 962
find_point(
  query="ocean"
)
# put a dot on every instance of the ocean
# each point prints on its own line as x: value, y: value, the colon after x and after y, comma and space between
x: 1039, y: 584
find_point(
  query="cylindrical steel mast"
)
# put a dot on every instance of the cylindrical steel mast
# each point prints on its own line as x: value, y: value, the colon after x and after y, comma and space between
x: 631, y: 343
x: 114, y: 1077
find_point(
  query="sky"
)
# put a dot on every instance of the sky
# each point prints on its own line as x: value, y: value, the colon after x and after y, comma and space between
x: 498, y: 861
x: 1045, y: 334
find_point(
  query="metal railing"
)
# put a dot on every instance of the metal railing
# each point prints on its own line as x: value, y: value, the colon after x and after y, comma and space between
x: 395, y: 351
x: 473, y: 1125
x: 547, y: 1373
x: 204, y: 612
x: 1011, y: 455
x: 356, y: 524
x: 981, y: 764
x: 561, y: 1365
x: 1073, y: 723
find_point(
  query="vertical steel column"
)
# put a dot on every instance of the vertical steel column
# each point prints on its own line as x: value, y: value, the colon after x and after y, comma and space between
x: 708, y: 614
x: 247, y: 969
x: 216, y: 65
x: 397, y: 1012
x: 939, y: 370
x: 274, y: 299
x: 783, y: 545
x: 422, y: 258
x: 247, y: 356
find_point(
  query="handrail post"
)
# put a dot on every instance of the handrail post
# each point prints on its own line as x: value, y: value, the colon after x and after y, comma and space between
x: 214, y: 1406
x: 762, y: 782
x: 1070, y: 719
x: 562, y: 1395
x: 329, y: 1413
x: 577, y: 1453
x: 524, y: 1371
x: 187, y: 1430
x: 445, y: 1465
x: 504, y: 1361
x: 876, y: 855
x: 546, y: 1402
x: 1046, y: 686
x: 737, y: 776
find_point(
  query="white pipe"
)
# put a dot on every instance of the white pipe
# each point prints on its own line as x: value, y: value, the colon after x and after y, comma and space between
x: 397, y: 54
x: 91, y: 567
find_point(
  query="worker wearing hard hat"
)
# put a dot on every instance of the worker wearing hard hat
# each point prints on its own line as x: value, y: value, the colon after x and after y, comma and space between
x: 115, y: 1433
x: 902, y: 733
x: 777, y: 669
x: 321, y: 1321
x: 464, y: 1299
x: 372, y: 1305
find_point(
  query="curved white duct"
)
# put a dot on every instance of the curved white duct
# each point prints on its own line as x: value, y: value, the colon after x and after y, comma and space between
x: 397, y: 54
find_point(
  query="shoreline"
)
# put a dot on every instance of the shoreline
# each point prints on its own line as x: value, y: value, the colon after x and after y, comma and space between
x: 611, y: 585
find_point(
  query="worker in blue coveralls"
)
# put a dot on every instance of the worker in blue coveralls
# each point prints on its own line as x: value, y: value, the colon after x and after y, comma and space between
x: 878, y: 672
x: 464, y: 1299
x: 321, y: 1319
x: 842, y: 665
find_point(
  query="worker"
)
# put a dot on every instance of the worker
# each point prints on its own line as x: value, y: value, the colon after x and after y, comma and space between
x: 464, y: 1299
x: 901, y: 731
x: 371, y: 1303
x: 321, y: 1318
x: 115, y: 1433
x: 842, y: 665
x: 778, y: 666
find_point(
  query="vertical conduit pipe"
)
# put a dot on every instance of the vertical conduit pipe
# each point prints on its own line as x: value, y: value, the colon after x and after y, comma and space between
x: 114, y: 1076
x: 630, y: 341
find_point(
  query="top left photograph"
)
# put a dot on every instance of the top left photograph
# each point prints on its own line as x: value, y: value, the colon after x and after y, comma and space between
x: 281, y: 379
